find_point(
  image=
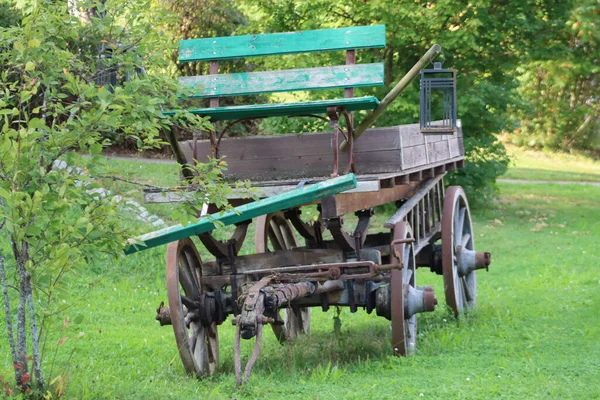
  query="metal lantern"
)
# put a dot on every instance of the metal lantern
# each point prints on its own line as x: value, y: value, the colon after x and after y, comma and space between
x: 438, y: 100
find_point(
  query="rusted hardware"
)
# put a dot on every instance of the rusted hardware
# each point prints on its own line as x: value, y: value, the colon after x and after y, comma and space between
x: 323, y: 272
x: 416, y: 300
x: 469, y: 260
x: 207, y: 308
x: 483, y: 259
x: 248, y: 324
x: 262, y: 298
x: 163, y: 314
x: 237, y: 356
x: 399, y: 241
x: 334, y: 115
x: 395, y: 92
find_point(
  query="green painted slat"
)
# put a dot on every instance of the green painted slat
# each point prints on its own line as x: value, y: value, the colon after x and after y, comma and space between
x: 285, y: 109
x: 223, y: 48
x: 288, y: 80
x: 290, y: 199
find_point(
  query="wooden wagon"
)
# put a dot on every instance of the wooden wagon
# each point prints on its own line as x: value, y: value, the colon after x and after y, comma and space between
x: 298, y: 263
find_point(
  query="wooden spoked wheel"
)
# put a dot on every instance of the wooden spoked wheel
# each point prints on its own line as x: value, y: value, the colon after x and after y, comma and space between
x: 404, y: 330
x: 457, y: 232
x: 198, y: 345
x: 274, y: 232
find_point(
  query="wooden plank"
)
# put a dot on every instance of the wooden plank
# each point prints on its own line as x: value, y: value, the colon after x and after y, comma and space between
x: 309, y: 166
x: 290, y: 199
x: 344, y: 203
x: 287, y: 80
x: 275, y: 259
x: 284, y: 109
x: 412, y: 157
x: 292, y: 146
x: 380, y: 154
x: 181, y: 194
x: 224, y: 48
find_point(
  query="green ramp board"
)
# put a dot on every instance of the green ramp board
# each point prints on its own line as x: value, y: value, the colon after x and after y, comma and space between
x: 293, y: 198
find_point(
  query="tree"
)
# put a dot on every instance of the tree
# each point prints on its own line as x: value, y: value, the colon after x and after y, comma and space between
x: 54, y: 120
x: 560, y: 85
x: 484, y: 41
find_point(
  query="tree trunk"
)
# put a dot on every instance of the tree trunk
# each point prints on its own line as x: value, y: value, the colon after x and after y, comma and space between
x: 20, y: 363
x: 8, y: 313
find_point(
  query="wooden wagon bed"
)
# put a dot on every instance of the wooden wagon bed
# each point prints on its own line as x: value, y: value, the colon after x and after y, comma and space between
x: 386, y: 158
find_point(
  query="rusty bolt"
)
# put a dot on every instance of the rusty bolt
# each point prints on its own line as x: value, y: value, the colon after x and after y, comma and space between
x: 483, y: 260
x: 429, y: 299
x: 265, y: 320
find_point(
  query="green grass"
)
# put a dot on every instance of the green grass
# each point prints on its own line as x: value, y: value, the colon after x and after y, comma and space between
x: 537, y: 165
x: 535, y: 332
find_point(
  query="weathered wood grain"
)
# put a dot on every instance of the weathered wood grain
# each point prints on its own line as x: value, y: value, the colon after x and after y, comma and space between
x: 223, y: 48
x: 288, y: 80
x: 285, y: 157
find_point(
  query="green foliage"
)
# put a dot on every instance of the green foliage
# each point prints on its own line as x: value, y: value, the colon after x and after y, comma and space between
x: 55, y: 119
x: 201, y: 18
x: 483, y: 41
x: 562, y: 89
x: 9, y: 16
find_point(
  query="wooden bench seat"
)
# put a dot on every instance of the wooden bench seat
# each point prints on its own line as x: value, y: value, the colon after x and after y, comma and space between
x: 285, y: 109
x: 216, y: 86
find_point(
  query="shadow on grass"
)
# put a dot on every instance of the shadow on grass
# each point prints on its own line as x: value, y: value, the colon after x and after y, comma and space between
x: 362, y: 339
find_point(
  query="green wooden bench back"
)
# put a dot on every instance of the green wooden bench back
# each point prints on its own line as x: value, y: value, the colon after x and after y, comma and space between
x: 288, y: 80
x: 225, y: 48
x: 237, y: 84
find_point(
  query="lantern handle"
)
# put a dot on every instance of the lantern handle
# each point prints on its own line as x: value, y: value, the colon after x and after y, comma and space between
x: 366, y: 122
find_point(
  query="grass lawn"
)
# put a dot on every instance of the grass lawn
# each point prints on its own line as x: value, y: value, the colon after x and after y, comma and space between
x: 535, y: 332
x: 537, y: 165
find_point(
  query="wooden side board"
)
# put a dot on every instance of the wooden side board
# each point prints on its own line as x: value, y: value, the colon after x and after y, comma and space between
x: 287, y: 157
x: 291, y: 199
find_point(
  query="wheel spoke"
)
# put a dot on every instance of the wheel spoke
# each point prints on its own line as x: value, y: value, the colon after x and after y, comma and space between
x: 277, y: 239
x: 466, y: 289
x: 193, y: 336
x: 288, y: 236
x: 407, y: 276
x: 183, y: 271
x: 458, y: 292
x: 461, y: 227
x: 186, y: 280
x: 466, y: 238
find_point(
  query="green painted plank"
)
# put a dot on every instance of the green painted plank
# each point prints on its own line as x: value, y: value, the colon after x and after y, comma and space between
x: 287, y: 80
x: 282, y: 201
x: 285, y: 109
x: 223, y: 48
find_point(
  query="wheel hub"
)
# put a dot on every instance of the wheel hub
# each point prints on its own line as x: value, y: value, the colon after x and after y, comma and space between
x: 468, y: 260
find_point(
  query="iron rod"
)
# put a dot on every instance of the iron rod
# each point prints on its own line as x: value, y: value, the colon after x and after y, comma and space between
x: 428, y: 57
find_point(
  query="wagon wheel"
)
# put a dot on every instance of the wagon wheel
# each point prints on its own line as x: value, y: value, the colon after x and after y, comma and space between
x: 274, y: 232
x: 198, y: 345
x: 404, y: 330
x: 457, y: 230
